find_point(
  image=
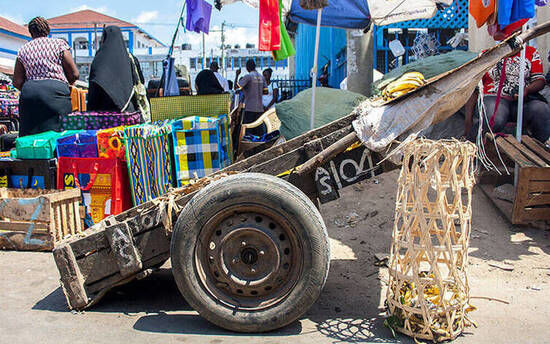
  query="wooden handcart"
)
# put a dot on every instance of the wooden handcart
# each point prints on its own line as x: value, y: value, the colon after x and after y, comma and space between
x: 249, y: 249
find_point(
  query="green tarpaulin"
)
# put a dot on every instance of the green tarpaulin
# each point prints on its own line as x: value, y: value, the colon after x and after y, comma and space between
x: 334, y: 104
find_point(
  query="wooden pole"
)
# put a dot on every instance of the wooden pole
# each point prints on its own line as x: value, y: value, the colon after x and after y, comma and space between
x: 328, y: 154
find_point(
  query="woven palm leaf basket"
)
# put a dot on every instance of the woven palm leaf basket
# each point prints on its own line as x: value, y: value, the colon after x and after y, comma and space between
x: 428, y: 292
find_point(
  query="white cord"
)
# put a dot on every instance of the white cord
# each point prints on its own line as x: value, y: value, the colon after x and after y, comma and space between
x: 483, y: 158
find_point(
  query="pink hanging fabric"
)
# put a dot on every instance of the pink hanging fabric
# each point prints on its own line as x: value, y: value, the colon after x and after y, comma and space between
x: 270, y: 27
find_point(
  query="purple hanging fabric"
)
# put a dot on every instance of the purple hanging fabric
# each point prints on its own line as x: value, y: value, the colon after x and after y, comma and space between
x: 198, y: 16
x: 541, y: 3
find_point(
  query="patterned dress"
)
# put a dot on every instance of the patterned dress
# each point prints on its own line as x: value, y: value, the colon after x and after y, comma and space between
x: 45, y: 95
x: 43, y: 57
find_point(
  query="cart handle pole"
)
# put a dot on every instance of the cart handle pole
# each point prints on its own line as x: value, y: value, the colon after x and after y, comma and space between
x: 327, y: 154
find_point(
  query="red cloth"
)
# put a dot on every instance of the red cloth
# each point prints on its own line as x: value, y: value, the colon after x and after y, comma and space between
x: 270, y: 26
x: 499, y: 34
x: 533, y: 71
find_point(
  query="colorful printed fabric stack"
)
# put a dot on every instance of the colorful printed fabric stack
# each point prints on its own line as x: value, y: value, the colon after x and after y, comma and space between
x: 110, y: 143
x: 99, y: 120
x: 201, y: 147
x: 148, y: 155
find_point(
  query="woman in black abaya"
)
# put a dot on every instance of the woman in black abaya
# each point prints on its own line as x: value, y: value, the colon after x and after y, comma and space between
x: 113, y: 76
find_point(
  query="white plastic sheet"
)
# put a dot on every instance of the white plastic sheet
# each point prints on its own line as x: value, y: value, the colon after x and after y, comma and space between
x: 385, y: 12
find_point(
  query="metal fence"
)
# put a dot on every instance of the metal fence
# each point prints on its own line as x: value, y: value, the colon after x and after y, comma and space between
x: 288, y: 88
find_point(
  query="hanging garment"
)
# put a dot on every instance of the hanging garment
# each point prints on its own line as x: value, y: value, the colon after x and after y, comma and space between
x: 510, y: 11
x: 482, y: 10
x: 198, y: 16
x: 270, y: 26
x: 287, y: 48
x: 522, y: 9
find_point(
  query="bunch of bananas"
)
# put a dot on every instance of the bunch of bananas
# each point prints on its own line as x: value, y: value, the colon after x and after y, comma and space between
x: 405, y: 84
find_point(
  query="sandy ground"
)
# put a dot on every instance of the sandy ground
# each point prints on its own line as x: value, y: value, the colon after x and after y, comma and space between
x: 350, y: 310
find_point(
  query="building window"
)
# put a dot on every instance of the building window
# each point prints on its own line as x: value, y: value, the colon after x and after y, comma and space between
x: 81, y: 43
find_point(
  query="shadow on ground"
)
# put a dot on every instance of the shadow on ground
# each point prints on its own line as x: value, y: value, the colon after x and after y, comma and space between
x: 194, y: 324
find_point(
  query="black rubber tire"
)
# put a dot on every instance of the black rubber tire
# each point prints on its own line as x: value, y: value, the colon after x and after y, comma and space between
x: 270, y: 192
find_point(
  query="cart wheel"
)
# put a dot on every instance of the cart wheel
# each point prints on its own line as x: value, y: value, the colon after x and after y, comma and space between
x: 250, y: 253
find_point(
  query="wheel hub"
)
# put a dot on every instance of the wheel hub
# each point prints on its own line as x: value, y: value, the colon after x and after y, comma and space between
x: 249, y: 257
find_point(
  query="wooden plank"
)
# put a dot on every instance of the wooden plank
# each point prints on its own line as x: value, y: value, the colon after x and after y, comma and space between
x: 538, y: 199
x: 332, y: 131
x: 535, y: 214
x: 94, y: 241
x: 58, y: 221
x: 98, y: 289
x: 151, y: 244
x: 522, y: 195
x: 102, y: 263
x: 76, y: 211
x: 122, y: 247
x: 289, y: 160
x: 62, y: 195
x: 64, y: 223
x: 513, y: 153
x: 538, y: 173
x: 23, y: 227
x: 536, y: 147
x: 525, y: 151
x: 22, y: 242
x: 539, y: 186
x: 26, y: 209
x: 70, y: 211
x: 71, y: 278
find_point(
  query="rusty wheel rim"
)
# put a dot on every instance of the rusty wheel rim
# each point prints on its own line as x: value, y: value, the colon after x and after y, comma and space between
x: 248, y: 257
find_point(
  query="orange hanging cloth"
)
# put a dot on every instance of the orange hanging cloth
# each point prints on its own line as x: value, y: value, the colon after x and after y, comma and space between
x: 270, y: 27
x: 482, y: 10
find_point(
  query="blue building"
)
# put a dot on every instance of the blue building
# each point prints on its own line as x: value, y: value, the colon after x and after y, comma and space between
x: 332, y: 50
x: 83, y: 30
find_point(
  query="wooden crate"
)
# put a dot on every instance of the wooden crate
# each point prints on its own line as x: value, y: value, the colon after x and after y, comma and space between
x: 35, y: 220
x: 531, y: 202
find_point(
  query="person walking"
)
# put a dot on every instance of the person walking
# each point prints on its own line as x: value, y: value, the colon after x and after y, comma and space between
x: 44, y: 69
x: 252, y: 85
